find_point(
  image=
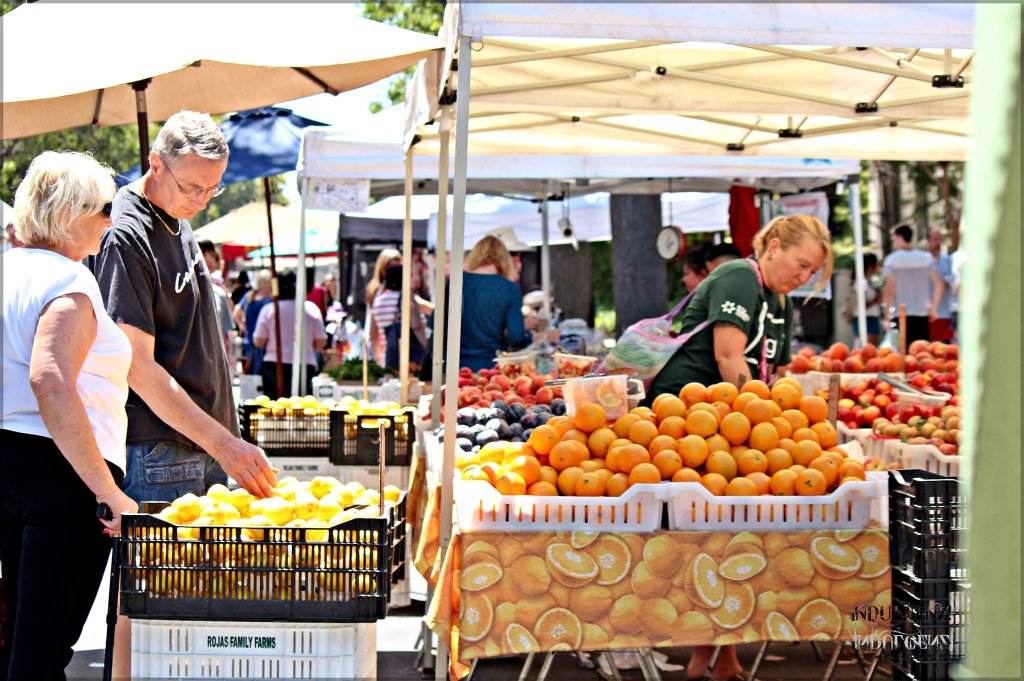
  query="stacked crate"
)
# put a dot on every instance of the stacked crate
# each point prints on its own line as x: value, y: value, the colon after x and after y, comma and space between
x: 930, y: 596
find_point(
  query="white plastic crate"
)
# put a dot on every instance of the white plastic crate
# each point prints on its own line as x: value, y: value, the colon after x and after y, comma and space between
x: 301, y: 467
x: 818, y: 380
x: 847, y: 434
x: 369, y: 476
x: 931, y: 399
x: 875, y: 445
x: 925, y: 458
x: 170, y: 649
x: 692, y: 507
x: 479, y: 506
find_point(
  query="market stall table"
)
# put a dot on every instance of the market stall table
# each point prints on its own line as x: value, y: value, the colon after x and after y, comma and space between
x: 523, y: 592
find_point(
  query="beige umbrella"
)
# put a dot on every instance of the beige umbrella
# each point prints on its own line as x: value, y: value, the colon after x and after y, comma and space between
x: 247, y: 224
x: 134, y: 62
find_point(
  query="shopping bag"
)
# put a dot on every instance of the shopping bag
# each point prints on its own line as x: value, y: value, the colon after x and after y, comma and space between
x: 648, y: 345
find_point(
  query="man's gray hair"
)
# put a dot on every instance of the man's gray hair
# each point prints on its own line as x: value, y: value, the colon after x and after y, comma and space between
x: 190, y: 132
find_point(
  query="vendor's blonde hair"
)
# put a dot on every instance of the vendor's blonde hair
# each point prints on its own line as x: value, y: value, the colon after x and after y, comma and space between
x: 491, y: 251
x: 59, y: 188
x: 790, y: 230
x: 386, y: 257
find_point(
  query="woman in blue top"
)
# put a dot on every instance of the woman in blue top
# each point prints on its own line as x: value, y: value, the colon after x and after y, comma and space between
x: 492, y: 317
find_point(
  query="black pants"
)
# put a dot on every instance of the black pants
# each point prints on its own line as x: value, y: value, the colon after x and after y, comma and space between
x: 269, y: 373
x: 53, y: 552
x: 917, y: 329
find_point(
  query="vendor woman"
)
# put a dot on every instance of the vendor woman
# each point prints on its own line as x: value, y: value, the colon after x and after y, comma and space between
x: 748, y: 336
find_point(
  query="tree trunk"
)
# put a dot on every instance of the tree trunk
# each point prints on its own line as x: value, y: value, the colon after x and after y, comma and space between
x: 640, y: 276
x: 572, y: 281
x: 892, y: 214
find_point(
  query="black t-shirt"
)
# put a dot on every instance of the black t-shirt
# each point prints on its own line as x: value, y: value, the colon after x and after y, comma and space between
x: 158, y: 283
x: 730, y: 295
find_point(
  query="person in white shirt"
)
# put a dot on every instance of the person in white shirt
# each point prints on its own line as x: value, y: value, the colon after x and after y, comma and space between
x: 265, y: 338
x: 909, y: 280
x: 65, y: 368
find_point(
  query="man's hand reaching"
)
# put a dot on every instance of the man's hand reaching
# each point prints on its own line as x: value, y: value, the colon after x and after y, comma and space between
x: 248, y: 465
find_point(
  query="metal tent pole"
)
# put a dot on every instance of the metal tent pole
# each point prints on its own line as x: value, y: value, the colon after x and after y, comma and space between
x: 454, y: 324
x: 853, y: 187
x: 545, y: 249
x: 440, y: 262
x: 299, y: 354
x: 407, y: 301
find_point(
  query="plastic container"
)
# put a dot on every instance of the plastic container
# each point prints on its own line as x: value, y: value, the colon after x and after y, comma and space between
x: 288, y: 432
x: 611, y: 392
x: 573, y: 366
x: 934, y: 615
x: 355, y: 438
x: 252, y: 650
x: 925, y: 458
x: 479, y: 506
x: 278, y: 573
x: 929, y: 399
x: 877, y: 445
x: 517, y: 364
x: 368, y: 476
x: 928, y: 519
x: 302, y: 468
x: 818, y: 380
x: 692, y: 507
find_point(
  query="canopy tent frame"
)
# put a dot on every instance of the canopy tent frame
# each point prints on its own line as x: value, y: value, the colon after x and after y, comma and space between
x: 462, y: 34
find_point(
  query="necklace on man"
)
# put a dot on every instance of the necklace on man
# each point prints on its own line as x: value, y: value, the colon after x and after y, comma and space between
x: 161, y: 217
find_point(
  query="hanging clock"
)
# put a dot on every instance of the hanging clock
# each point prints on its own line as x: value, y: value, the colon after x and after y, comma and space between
x: 671, y: 243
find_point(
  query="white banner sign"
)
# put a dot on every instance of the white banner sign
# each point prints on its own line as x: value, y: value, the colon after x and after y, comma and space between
x: 816, y: 205
x: 343, y: 196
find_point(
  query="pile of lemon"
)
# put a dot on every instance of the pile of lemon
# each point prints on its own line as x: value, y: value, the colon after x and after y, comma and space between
x: 311, y: 406
x: 320, y: 503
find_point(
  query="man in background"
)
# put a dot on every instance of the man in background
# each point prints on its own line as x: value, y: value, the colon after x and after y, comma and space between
x: 720, y: 253
x: 943, y: 296
x: 909, y: 278
x: 227, y: 324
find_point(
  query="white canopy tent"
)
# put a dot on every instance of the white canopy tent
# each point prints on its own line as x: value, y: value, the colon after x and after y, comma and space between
x: 857, y: 81
x: 693, y: 212
x: 374, y: 151
x: 561, y: 75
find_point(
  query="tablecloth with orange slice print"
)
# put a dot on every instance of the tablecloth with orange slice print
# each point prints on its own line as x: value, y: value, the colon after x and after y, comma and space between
x: 519, y: 592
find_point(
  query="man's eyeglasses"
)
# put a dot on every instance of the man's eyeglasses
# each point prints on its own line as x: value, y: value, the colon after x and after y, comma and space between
x: 194, y: 192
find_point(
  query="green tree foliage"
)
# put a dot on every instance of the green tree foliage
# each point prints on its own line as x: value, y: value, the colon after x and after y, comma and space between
x: 422, y: 16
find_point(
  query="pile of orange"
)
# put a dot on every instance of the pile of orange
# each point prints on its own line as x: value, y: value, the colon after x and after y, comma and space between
x: 748, y: 442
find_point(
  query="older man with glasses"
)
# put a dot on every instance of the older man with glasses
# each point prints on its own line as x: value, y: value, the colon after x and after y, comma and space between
x: 183, y: 431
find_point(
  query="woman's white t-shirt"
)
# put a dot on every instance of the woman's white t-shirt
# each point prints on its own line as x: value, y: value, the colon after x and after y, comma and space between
x: 32, y: 278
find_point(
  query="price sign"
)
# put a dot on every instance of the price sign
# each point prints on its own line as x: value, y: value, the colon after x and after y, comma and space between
x: 342, y: 196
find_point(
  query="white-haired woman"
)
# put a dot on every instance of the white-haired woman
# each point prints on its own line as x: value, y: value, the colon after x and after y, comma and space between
x: 63, y: 428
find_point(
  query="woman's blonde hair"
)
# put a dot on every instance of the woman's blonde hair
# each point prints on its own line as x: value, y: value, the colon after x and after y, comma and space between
x: 59, y: 188
x: 264, y: 279
x: 386, y: 257
x: 790, y: 230
x: 491, y: 251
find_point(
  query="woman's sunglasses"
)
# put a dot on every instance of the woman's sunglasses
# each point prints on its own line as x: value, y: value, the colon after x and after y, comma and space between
x: 107, y: 209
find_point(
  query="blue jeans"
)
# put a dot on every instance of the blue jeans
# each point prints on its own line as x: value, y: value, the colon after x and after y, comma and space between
x: 165, y: 471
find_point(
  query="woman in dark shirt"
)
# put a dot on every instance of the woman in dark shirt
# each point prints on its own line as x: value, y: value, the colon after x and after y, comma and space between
x: 492, y: 316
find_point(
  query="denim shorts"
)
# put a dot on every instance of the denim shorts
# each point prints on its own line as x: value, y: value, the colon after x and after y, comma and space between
x: 165, y: 471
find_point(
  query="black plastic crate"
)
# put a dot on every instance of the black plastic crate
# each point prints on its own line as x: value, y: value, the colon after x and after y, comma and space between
x: 355, y: 438
x: 289, y: 432
x: 260, y: 574
x: 927, y: 519
x: 928, y: 633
